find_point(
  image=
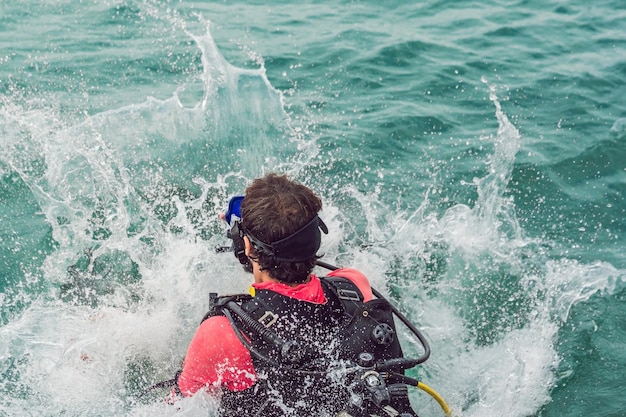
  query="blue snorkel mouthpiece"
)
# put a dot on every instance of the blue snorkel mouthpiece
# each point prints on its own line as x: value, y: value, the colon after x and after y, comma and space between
x: 234, y: 209
x: 235, y: 233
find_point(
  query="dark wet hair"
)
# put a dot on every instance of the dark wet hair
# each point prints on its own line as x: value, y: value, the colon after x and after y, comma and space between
x: 274, y: 208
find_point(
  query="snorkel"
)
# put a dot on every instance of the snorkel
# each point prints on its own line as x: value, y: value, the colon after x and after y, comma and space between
x: 235, y: 232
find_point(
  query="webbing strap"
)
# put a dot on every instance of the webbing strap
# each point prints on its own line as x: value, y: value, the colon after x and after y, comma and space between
x: 347, y: 292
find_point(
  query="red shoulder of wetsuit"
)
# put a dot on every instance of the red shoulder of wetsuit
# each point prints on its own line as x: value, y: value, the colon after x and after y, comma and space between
x: 357, y: 278
x: 217, y: 358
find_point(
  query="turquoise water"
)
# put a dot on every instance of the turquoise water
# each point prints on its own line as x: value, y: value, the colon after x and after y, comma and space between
x: 471, y: 157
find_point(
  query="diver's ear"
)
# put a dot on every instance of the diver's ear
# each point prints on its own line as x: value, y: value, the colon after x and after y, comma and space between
x: 247, y: 246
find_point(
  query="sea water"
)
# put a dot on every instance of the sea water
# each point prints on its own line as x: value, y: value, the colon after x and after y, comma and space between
x: 471, y: 157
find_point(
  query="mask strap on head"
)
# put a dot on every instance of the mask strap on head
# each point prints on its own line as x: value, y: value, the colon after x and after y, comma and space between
x: 299, y: 246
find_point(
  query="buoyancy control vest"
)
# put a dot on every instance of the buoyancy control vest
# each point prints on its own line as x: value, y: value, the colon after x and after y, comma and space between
x: 315, y: 359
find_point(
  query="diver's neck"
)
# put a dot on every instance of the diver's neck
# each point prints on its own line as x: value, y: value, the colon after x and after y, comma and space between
x: 261, y: 276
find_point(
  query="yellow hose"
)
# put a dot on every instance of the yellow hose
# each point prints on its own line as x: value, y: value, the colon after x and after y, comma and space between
x: 436, y: 396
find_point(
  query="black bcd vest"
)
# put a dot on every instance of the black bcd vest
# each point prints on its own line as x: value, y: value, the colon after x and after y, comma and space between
x: 306, y: 367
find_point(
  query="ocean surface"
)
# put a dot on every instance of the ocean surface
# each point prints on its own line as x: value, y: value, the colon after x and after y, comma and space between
x: 471, y: 157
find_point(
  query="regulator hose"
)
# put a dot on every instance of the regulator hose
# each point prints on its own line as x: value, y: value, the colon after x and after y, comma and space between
x: 436, y: 396
x: 419, y: 384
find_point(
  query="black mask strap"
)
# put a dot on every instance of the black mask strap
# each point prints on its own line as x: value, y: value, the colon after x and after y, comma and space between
x: 299, y: 246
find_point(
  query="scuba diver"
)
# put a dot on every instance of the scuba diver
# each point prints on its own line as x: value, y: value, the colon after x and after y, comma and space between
x: 300, y: 345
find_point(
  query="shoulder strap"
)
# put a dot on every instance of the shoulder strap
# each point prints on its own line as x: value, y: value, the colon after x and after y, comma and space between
x: 258, y: 307
x: 346, y: 291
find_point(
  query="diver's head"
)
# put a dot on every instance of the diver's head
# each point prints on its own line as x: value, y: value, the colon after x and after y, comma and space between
x: 279, y: 217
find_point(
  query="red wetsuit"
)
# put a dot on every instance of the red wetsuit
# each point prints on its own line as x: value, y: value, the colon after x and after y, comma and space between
x: 217, y: 358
